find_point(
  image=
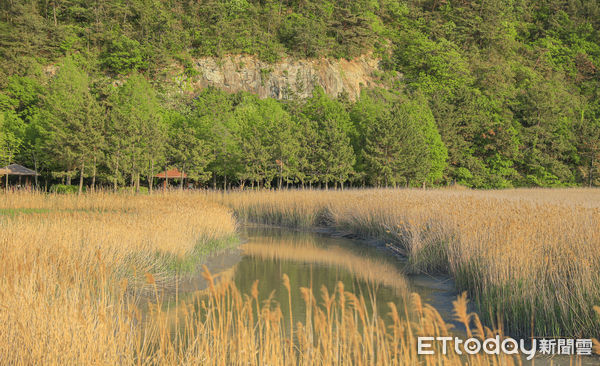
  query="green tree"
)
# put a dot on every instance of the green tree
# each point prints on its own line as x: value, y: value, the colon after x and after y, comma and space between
x: 187, y: 150
x: 73, y: 120
x: 11, y: 130
x: 213, y: 110
x: 123, y: 55
x: 21, y: 100
x: 395, y: 150
x: 334, y: 153
x: 283, y: 142
x: 547, y: 112
x: 308, y: 150
x: 266, y: 137
x: 437, y: 153
x: 400, y: 139
x: 137, y: 130
x: 588, y: 137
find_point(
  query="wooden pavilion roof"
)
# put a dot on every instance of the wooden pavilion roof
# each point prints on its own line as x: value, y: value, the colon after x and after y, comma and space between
x: 171, y: 173
x: 16, y: 169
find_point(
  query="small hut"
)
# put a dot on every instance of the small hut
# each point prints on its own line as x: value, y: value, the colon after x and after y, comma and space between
x: 170, y: 174
x: 20, y: 171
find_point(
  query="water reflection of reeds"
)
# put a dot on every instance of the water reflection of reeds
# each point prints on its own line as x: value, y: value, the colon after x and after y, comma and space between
x: 370, y: 270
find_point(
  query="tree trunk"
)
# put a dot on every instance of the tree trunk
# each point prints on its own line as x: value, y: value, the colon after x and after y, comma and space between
x: 280, y: 176
x: 225, y: 183
x: 35, y: 166
x: 151, y: 177
x: 69, y: 178
x: 137, y: 182
x: 214, y: 181
x: 81, y: 178
x: 590, y: 178
x: 116, y: 176
x: 94, y: 176
x: 181, y: 183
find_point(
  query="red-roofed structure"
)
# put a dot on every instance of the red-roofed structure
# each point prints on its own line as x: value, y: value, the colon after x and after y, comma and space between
x: 170, y: 174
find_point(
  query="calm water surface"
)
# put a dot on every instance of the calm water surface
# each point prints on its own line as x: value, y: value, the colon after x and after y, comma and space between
x: 314, y: 260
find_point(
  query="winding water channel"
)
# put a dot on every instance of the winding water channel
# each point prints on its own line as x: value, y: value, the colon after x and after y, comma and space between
x: 313, y: 260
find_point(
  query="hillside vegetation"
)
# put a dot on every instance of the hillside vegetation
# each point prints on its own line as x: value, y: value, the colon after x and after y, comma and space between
x: 485, y: 93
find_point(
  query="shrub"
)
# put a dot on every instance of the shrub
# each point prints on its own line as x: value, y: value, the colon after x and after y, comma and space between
x: 143, y: 190
x: 64, y: 189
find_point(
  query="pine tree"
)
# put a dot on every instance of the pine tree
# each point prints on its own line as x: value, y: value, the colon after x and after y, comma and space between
x: 187, y: 150
x: 437, y: 153
x: 11, y: 128
x: 74, y: 120
x: 137, y: 130
x: 334, y: 153
x: 213, y: 111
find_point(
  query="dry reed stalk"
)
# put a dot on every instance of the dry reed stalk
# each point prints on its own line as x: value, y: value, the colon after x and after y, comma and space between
x: 69, y: 267
x: 522, y: 254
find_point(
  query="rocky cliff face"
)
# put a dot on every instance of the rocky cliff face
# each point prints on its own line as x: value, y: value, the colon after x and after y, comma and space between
x: 285, y: 79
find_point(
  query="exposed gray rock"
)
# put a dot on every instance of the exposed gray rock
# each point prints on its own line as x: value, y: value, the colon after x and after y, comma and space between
x: 285, y: 79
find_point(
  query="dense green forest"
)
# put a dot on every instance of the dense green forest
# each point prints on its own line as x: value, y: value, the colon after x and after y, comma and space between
x: 492, y: 93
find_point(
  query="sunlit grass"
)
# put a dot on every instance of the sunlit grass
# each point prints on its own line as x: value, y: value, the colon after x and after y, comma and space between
x: 528, y: 257
x: 65, y: 259
x: 226, y: 327
x: 71, y: 269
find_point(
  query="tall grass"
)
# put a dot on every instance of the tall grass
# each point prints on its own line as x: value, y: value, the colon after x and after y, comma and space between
x: 229, y: 328
x: 71, y: 270
x: 529, y: 258
x: 71, y: 267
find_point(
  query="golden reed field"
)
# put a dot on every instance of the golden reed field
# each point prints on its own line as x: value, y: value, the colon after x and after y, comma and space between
x: 82, y: 278
x: 529, y: 258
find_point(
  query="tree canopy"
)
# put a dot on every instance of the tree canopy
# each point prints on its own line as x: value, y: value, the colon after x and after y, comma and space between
x: 487, y: 94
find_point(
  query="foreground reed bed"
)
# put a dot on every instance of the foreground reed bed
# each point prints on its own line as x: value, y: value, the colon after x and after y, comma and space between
x: 529, y: 258
x: 222, y: 326
x: 69, y: 267
x: 77, y: 273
